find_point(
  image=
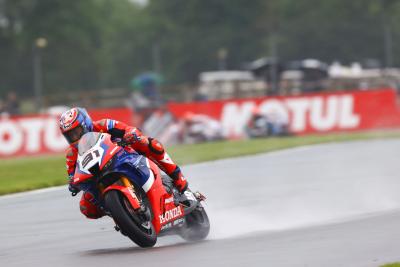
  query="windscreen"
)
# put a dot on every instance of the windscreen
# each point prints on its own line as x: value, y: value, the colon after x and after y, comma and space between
x: 87, y: 141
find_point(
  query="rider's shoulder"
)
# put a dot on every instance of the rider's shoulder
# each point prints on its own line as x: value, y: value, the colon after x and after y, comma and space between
x: 100, y: 124
x: 105, y: 125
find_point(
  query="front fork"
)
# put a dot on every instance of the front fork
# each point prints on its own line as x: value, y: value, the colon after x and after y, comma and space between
x: 127, y: 189
x: 125, y: 181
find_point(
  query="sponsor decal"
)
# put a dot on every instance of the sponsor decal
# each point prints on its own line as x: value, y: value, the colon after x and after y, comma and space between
x: 167, y: 159
x: 166, y: 226
x: 169, y: 200
x: 30, y: 135
x: 112, y: 151
x: 316, y: 113
x: 170, y: 215
x: 303, y: 114
x: 178, y: 222
x: 35, y: 135
x: 174, y: 223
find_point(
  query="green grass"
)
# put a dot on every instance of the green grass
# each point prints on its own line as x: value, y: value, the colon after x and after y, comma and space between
x: 396, y: 264
x: 31, y: 173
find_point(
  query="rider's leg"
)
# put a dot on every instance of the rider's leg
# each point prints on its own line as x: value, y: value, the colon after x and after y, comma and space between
x: 155, y: 151
x: 88, y: 206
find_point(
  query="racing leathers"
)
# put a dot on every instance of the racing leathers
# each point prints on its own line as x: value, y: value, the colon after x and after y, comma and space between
x: 142, y: 144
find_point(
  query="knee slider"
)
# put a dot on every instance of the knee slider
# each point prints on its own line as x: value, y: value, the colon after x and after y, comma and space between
x: 155, y: 146
x: 89, y: 210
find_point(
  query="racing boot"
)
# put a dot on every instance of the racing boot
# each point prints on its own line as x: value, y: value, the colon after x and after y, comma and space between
x: 179, y: 180
x: 167, y: 183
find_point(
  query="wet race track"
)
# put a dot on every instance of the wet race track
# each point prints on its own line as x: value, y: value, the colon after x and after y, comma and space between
x: 326, y: 205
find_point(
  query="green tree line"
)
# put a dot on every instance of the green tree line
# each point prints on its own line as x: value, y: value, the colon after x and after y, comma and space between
x: 103, y: 43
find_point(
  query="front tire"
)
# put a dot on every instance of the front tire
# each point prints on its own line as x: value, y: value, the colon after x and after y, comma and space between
x: 129, y: 221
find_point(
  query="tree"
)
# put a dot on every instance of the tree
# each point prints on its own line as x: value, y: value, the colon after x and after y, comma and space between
x: 104, y: 43
x: 79, y: 34
x: 332, y: 30
x: 190, y: 33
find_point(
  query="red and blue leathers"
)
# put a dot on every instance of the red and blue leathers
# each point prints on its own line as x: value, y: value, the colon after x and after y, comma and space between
x: 144, y: 145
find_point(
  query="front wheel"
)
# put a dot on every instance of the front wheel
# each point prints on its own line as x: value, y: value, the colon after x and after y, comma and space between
x: 131, y: 224
x: 197, y: 225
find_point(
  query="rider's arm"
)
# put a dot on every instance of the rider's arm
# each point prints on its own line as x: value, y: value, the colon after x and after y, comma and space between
x: 148, y: 146
x: 154, y: 150
x: 113, y: 127
x: 71, y: 157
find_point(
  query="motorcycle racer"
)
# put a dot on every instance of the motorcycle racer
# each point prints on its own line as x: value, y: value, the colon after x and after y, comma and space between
x: 74, y: 123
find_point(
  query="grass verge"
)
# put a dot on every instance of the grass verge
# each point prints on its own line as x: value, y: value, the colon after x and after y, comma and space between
x: 396, y: 264
x: 18, y: 175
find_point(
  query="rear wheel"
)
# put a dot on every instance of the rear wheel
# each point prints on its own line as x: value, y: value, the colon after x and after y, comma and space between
x: 132, y: 224
x: 197, y: 225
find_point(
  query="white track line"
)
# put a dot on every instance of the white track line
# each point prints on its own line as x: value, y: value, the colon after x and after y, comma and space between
x: 34, y: 192
x: 280, y: 151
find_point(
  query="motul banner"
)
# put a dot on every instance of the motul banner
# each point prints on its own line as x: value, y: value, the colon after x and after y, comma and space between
x: 314, y: 113
x: 35, y: 135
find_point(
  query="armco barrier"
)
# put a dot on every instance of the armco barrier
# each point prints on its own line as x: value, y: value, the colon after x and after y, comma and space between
x: 312, y: 113
x: 37, y: 135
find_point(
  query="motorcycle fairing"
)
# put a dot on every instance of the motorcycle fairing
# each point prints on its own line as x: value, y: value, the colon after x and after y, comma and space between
x: 135, y: 167
x: 101, y: 153
x: 162, y: 201
x: 145, y: 173
x: 139, y: 170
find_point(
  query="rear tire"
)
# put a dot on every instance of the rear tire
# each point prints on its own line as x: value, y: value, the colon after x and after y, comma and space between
x: 128, y: 221
x: 197, y: 225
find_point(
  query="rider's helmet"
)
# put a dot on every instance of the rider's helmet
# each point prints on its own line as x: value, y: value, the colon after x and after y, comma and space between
x: 74, y: 123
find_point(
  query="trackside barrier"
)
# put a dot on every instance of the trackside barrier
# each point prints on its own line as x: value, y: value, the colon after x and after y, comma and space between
x: 39, y: 134
x: 305, y: 114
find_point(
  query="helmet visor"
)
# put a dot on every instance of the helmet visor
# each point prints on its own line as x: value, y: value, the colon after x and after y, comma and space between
x: 74, y: 135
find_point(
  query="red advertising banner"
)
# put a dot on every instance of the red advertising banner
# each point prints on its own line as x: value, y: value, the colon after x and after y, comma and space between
x: 39, y: 134
x: 305, y: 114
x: 311, y: 113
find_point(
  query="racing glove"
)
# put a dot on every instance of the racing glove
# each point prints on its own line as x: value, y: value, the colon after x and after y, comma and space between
x: 131, y: 136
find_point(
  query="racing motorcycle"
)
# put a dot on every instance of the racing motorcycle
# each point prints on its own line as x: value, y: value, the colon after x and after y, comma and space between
x: 143, y: 203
